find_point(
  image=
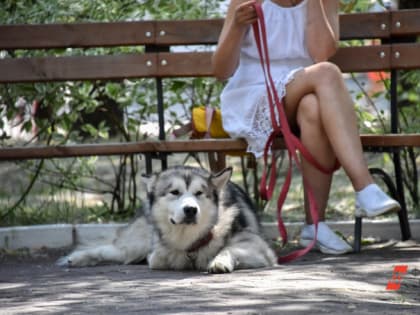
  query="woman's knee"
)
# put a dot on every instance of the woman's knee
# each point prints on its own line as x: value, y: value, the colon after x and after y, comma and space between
x: 327, y: 73
x: 308, y: 112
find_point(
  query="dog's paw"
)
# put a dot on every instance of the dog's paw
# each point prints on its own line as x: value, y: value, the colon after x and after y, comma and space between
x: 222, y: 263
x: 76, y: 259
x: 63, y: 262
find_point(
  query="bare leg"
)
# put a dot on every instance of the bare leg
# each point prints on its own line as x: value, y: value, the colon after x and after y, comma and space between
x: 314, y: 139
x: 338, y: 117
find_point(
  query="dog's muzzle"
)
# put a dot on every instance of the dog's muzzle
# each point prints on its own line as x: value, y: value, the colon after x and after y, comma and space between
x: 185, y: 211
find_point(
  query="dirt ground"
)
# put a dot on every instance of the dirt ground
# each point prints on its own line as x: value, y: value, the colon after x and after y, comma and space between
x: 315, y: 284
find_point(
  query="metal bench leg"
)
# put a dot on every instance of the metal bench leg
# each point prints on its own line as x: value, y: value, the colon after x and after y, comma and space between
x: 149, y: 164
x: 396, y: 192
x: 217, y: 161
x: 399, y: 195
x: 402, y: 214
x: 357, y: 235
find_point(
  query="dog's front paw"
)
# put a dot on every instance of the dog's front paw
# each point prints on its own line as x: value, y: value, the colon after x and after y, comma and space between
x: 76, y: 259
x: 157, y: 261
x: 222, y: 263
x: 63, y: 262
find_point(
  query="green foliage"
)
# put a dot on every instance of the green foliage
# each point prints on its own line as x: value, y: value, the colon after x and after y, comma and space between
x: 75, y: 112
x: 66, y: 11
x: 350, y: 6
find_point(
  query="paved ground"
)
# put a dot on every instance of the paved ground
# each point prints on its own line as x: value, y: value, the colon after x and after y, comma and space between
x: 316, y: 284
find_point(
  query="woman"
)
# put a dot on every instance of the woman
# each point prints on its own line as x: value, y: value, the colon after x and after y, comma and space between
x: 302, y: 35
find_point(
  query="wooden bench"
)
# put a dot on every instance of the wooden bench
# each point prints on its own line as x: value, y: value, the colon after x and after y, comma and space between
x: 159, y: 62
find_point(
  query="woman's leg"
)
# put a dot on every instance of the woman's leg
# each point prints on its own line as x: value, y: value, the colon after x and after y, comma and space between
x: 338, y: 119
x: 313, y: 137
x: 324, y: 80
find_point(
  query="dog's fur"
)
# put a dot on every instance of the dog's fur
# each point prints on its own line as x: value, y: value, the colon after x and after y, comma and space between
x: 192, y: 220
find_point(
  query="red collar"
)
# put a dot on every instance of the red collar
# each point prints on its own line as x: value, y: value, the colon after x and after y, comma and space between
x: 201, y: 242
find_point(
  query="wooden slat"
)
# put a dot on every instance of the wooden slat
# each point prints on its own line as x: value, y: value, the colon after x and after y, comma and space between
x: 349, y: 59
x: 363, y: 59
x: 405, y: 56
x: 391, y: 140
x: 77, y: 68
x: 204, y: 145
x: 405, y: 22
x: 76, y: 35
x: 24, y: 153
x: 356, y: 59
x: 192, y: 32
x: 185, y: 64
x: 365, y: 25
x: 107, y: 34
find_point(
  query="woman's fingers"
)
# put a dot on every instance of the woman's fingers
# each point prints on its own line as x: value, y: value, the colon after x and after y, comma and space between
x: 245, y: 13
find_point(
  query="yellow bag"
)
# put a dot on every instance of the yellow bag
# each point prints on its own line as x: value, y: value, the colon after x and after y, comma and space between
x: 207, y: 123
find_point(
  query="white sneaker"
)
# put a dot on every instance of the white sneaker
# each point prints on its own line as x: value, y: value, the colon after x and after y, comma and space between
x: 371, y: 201
x: 327, y: 242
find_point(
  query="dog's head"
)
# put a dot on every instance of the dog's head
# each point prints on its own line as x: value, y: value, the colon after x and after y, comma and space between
x: 185, y: 196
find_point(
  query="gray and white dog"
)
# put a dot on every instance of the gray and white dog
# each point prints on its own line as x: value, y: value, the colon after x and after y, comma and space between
x: 192, y: 220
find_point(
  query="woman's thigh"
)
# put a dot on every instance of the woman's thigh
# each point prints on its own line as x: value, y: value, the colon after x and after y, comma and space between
x: 307, y: 81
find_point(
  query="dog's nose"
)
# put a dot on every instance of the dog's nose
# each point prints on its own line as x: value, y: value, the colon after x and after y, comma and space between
x: 190, y: 212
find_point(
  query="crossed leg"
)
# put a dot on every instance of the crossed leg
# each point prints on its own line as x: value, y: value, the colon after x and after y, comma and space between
x: 315, y: 140
x: 317, y: 101
x: 334, y: 121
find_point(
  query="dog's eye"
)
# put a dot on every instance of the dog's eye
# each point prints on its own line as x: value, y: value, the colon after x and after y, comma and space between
x: 175, y: 192
x: 198, y: 193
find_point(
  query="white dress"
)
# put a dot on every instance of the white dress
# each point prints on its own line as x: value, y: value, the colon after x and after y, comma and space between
x: 244, y: 105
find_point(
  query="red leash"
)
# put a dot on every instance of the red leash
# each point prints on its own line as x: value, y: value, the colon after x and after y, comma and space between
x: 293, y: 144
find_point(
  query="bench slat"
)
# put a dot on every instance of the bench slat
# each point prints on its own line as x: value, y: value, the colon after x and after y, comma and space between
x: 365, y: 25
x: 23, y: 153
x: 194, y: 64
x: 40, y: 36
x: 405, y: 22
x: 183, y: 64
x: 363, y: 59
x: 183, y: 32
x: 203, y: 145
x: 188, y: 32
x: 77, y: 68
x: 405, y: 56
x: 391, y: 140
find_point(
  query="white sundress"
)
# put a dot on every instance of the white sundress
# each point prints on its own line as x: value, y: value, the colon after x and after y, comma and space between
x: 244, y: 104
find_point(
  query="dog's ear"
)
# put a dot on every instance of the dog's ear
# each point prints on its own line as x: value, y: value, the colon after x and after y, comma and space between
x: 148, y: 181
x: 220, y: 179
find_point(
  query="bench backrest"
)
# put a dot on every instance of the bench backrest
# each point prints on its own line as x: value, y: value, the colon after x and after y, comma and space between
x: 158, y: 37
x: 159, y: 58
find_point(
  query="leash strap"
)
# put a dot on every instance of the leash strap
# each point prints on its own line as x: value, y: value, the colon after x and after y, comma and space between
x: 293, y: 144
x: 209, y: 118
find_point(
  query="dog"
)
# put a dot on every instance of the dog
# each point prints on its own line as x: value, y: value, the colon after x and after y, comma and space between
x: 192, y: 220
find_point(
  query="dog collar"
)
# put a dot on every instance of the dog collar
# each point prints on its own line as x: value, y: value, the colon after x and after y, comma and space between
x: 201, y: 242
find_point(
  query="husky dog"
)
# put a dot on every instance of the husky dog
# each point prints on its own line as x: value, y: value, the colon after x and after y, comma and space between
x: 192, y: 220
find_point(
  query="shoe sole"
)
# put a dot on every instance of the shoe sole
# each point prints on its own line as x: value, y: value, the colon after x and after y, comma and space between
x: 362, y: 213
x: 323, y: 249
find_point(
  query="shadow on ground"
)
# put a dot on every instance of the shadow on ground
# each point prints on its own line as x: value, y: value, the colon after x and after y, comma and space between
x: 315, y: 284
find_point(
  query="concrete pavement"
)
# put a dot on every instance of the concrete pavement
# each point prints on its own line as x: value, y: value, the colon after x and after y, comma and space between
x: 315, y: 284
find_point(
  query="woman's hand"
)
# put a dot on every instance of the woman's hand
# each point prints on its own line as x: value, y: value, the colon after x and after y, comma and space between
x: 245, y: 14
